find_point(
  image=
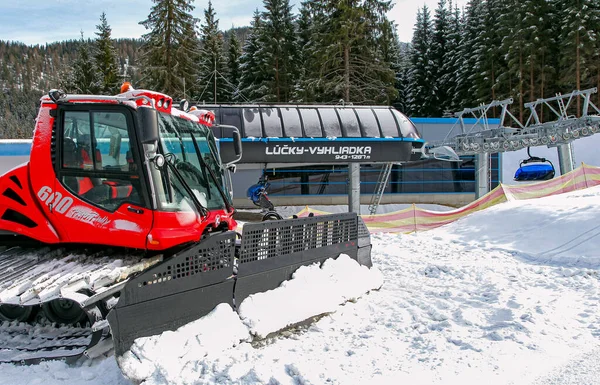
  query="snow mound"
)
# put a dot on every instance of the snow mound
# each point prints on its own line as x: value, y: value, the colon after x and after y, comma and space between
x: 173, y: 355
x: 560, y: 229
x: 313, y: 290
x: 181, y: 356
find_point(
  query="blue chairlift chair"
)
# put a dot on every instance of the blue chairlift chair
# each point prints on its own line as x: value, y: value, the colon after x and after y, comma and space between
x: 534, y: 169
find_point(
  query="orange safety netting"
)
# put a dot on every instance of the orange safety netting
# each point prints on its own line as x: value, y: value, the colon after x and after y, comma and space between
x: 417, y: 219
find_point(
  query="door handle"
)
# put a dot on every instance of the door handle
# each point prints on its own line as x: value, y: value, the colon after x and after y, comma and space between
x: 134, y: 210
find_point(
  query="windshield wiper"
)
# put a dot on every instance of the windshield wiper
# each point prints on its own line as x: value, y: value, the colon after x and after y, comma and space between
x: 203, y: 210
x: 202, y: 165
x: 210, y: 171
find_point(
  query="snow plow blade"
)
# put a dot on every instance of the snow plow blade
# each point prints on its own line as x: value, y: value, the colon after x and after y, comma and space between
x: 217, y: 270
x: 271, y: 251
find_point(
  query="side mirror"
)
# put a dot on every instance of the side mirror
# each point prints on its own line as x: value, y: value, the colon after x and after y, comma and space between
x: 236, y: 139
x: 237, y: 143
x: 147, y: 125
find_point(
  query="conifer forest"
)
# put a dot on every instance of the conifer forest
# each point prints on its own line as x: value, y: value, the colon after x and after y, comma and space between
x: 321, y: 52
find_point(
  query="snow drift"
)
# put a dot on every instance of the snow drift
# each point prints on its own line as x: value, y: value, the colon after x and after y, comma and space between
x: 561, y: 229
x: 177, y: 357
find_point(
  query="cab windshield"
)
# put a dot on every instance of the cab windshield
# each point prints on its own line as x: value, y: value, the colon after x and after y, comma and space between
x: 190, y: 150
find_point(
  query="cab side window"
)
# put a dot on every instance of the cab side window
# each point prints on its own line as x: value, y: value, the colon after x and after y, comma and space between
x: 77, y: 138
x: 97, y: 163
x: 112, y: 138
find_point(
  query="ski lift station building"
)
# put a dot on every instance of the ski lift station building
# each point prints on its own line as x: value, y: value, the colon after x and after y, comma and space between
x: 308, y: 153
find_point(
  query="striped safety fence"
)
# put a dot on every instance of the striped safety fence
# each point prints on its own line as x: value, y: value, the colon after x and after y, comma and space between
x: 414, y: 219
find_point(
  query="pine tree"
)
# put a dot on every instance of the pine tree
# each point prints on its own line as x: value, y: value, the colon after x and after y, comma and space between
x: 578, y: 41
x: 402, y: 82
x: 233, y: 64
x: 464, y: 96
x: 489, y: 62
x: 277, y: 52
x: 538, y: 21
x: 84, y: 78
x: 421, y: 75
x: 169, y: 51
x: 477, y: 55
x: 550, y: 54
x: 27, y: 76
x: 251, y: 72
x: 310, y: 23
x: 105, y: 57
x: 212, y: 83
x: 515, y: 48
x: 390, y: 52
x: 453, y: 59
x: 595, y: 61
x: 439, y: 55
x: 350, y: 65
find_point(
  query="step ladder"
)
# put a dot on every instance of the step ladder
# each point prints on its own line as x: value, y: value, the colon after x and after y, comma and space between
x: 384, y: 176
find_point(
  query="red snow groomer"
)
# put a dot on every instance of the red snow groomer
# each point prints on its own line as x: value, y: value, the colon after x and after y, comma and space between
x: 119, y: 227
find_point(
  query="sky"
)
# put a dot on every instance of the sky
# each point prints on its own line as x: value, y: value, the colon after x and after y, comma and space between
x: 506, y: 295
x: 40, y: 22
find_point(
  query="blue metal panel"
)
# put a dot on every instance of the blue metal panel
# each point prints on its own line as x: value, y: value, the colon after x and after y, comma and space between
x: 15, y: 148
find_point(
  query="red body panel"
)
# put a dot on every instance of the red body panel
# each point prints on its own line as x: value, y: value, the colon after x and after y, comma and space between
x: 16, y: 197
x: 171, y: 229
x: 34, y: 193
x: 86, y: 223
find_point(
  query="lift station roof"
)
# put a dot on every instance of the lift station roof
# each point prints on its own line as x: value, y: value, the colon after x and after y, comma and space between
x: 317, y: 134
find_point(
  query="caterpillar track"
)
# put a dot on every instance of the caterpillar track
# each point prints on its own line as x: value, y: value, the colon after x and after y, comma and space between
x: 54, y: 301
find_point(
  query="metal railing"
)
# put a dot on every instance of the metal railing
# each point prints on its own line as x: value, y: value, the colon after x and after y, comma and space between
x: 512, y: 135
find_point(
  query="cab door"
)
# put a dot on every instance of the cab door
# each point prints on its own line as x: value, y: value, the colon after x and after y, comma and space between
x: 100, y: 195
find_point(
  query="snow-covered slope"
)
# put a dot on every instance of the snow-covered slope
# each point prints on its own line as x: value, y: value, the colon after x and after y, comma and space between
x: 563, y: 229
x: 509, y: 295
